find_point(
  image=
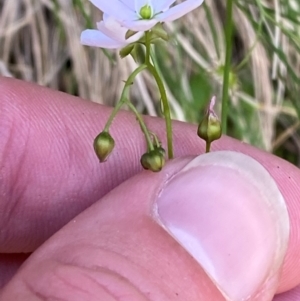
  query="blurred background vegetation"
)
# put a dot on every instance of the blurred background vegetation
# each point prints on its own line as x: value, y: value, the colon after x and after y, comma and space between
x: 39, y: 42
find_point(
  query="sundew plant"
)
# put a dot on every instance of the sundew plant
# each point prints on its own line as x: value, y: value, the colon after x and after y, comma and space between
x: 130, y: 24
x: 40, y: 42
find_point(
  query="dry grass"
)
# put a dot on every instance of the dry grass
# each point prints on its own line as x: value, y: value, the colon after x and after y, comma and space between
x: 40, y: 43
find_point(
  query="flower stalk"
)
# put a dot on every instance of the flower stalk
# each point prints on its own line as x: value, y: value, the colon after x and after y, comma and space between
x: 166, y: 109
x: 124, y: 100
x: 227, y: 66
x: 124, y: 95
x: 163, y: 94
x: 142, y: 125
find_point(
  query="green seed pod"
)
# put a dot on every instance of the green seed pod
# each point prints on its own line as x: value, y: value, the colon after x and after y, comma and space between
x: 209, y: 128
x: 161, y: 150
x: 157, y: 145
x: 103, y: 146
x: 153, y: 161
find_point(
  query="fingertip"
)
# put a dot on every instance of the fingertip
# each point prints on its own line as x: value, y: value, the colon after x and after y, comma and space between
x: 226, y: 210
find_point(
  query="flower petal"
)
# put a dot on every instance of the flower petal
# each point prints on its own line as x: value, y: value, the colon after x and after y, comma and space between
x: 111, y: 28
x: 105, y: 17
x: 92, y: 37
x: 140, y: 25
x: 135, y: 37
x: 179, y: 10
x: 160, y: 6
x: 115, y: 8
x: 129, y: 3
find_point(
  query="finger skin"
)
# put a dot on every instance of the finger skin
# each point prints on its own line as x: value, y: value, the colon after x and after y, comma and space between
x: 114, y: 251
x: 9, y: 264
x: 292, y: 295
x: 49, y: 173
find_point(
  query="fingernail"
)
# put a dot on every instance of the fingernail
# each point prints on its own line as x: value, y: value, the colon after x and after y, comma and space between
x: 226, y: 210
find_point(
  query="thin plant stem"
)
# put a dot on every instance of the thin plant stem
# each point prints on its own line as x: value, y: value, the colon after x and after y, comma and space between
x: 207, y: 147
x: 142, y: 124
x: 124, y: 99
x: 162, y: 91
x: 155, y: 139
x: 124, y: 95
x: 227, y: 66
x: 148, y: 47
x: 166, y: 110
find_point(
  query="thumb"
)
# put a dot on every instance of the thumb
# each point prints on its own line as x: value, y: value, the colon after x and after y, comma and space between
x: 231, y: 217
x: 212, y: 228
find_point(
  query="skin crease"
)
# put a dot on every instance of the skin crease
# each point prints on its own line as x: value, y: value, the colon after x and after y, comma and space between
x: 50, y: 173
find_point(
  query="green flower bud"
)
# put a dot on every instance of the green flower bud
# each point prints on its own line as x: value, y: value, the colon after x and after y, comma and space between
x: 153, y: 161
x: 158, y: 31
x: 126, y: 50
x: 210, y: 127
x: 103, y: 146
x: 146, y: 12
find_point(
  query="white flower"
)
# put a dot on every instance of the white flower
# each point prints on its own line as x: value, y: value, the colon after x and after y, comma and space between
x: 110, y: 34
x: 136, y: 15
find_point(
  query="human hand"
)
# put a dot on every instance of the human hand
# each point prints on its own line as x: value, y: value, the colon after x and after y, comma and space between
x: 116, y: 249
